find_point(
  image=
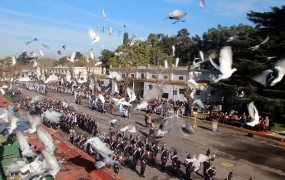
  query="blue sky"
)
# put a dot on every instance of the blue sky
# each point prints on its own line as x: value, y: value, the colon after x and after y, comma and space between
x: 59, y: 22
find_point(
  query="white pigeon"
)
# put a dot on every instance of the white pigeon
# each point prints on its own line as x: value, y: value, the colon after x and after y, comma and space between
x: 192, y: 84
x: 27, y: 150
x: 202, y: 60
x: 131, y: 94
x: 72, y: 58
x: 38, y: 72
x: 52, y: 116
x: 177, y: 15
x: 51, y: 78
x: 34, y: 121
x: 91, y: 55
x: 232, y: 38
x: 131, y: 128
x: 110, y: 29
x: 165, y: 64
x: 173, y: 50
x: 35, y: 63
x: 188, y: 127
x: 176, y: 62
x: 258, y: 46
x: 36, y: 99
x: 12, y: 124
x: 141, y: 105
x: 50, y: 163
x: 46, y: 139
x: 262, y: 77
x: 95, y: 37
x: 199, y: 103
x: 104, y: 15
x: 280, y: 67
x: 253, y: 114
x: 13, y: 61
x: 98, y: 63
x: 41, y: 52
x: 226, y: 61
x: 99, y: 146
x: 2, y: 91
x: 115, y: 75
x: 115, y: 123
x: 202, y: 4
x: 91, y: 84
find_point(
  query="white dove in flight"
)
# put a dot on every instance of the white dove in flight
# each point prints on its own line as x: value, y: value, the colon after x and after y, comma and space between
x: 104, y: 15
x: 26, y: 149
x: 173, y: 50
x: 197, y: 64
x: 253, y: 114
x: 13, y: 61
x: 202, y: 4
x: 95, y: 37
x: 110, y: 29
x: 177, y: 15
x: 72, y: 57
x: 262, y: 77
x: 226, y: 61
x: 258, y: 46
x: 280, y: 67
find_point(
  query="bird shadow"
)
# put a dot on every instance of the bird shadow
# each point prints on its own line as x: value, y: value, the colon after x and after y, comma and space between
x: 203, y: 127
x: 140, y: 124
x: 143, y: 133
x: 79, y: 161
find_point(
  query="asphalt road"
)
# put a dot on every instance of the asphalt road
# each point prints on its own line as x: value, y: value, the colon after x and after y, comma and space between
x: 247, y: 157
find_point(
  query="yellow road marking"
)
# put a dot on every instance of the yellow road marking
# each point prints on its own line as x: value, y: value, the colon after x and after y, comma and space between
x: 227, y: 164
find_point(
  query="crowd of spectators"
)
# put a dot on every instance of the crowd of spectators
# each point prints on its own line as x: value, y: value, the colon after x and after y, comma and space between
x: 234, y: 118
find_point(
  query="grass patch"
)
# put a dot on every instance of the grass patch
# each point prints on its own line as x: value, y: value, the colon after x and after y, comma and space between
x: 279, y: 127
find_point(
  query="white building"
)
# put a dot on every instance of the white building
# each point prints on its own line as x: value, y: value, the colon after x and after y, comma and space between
x: 143, y: 78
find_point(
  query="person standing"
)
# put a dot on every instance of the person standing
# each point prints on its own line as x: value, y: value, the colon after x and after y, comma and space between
x: 164, y: 157
x: 111, y: 107
x: 143, y: 162
x: 152, y: 128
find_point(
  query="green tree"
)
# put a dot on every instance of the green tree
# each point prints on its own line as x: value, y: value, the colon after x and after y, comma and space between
x: 126, y: 38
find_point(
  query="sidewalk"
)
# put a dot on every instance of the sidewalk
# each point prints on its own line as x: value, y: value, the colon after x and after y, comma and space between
x: 267, y: 134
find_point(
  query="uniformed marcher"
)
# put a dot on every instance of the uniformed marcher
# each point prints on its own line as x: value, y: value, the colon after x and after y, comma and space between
x: 210, y: 173
x: 164, y: 157
x: 136, y: 157
x: 143, y: 162
x: 206, y: 164
x: 189, y: 168
x: 154, y: 150
x: 175, y: 163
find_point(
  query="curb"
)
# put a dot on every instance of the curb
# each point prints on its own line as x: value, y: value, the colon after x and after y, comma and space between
x: 267, y: 135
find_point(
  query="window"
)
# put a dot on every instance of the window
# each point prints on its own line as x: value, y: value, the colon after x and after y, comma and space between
x: 153, y: 76
x: 150, y: 87
x: 213, y: 92
x: 133, y: 75
x: 164, y: 95
x: 165, y: 77
x: 181, y: 77
x: 198, y: 92
x: 181, y: 91
x: 142, y: 75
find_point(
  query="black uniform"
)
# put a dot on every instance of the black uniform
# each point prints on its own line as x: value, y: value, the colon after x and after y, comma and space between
x: 164, y: 158
x: 143, y: 163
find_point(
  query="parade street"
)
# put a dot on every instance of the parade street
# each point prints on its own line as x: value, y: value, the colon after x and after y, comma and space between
x: 247, y: 157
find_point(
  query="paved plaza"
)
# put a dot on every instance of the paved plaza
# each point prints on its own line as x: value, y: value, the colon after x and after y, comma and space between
x: 257, y: 157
